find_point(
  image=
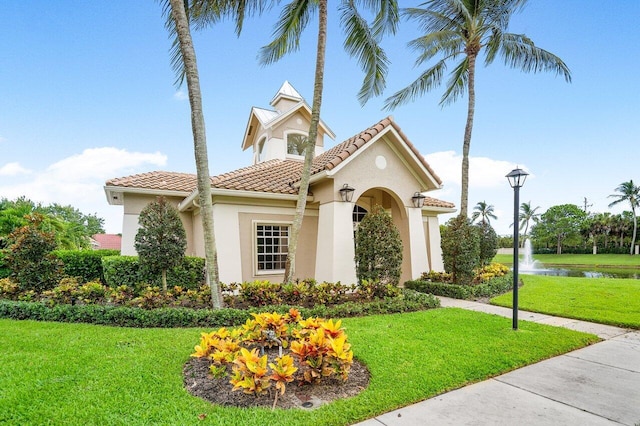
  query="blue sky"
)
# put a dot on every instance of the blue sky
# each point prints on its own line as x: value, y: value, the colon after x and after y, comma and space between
x: 87, y: 94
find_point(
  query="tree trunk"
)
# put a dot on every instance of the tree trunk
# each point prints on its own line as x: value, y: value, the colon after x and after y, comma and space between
x: 301, y: 203
x: 635, y: 229
x: 559, y: 246
x: 199, y: 146
x: 164, y: 281
x: 464, y: 192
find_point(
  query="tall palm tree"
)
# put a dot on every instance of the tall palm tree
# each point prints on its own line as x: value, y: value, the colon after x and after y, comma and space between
x: 527, y: 215
x: 185, y: 55
x: 462, y: 29
x: 361, y: 41
x: 484, y: 212
x: 628, y: 192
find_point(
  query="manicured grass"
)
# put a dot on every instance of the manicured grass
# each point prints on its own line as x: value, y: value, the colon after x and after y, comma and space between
x: 612, y: 301
x: 55, y: 373
x: 597, y: 260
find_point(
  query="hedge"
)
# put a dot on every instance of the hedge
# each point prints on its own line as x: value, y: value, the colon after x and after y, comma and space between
x: 85, y: 264
x: 185, y: 317
x: 125, y: 270
x: 4, y: 270
x: 491, y: 288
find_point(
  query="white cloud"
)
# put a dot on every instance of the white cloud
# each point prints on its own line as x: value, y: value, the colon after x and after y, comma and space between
x: 484, y: 172
x: 181, y: 95
x: 13, y: 169
x: 487, y: 182
x: 78, y: 180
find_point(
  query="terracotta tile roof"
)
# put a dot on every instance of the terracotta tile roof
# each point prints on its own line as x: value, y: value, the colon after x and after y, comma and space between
x: 434, y: 202
x: 274, y: 176
x: 165, y: 181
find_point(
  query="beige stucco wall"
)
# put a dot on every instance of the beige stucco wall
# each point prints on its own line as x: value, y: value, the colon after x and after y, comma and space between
x: 133, y: 205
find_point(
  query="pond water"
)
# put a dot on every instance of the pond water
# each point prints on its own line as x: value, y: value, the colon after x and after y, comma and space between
x: 583, y: 272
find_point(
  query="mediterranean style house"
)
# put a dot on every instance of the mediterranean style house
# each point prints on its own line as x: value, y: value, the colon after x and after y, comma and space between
x: 253, y: 207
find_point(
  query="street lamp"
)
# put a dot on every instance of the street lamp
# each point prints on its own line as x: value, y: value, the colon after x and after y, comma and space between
x: 516, y: 179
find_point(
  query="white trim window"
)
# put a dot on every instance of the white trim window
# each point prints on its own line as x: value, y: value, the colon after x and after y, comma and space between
x: 296, y: 143
x: 271, y: 247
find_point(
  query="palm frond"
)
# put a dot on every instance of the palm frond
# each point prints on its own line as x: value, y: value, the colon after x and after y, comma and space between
x: 387, y: 16
x: 443, y: 42
x: 286, y: 35
x: 457, y: 84
x: 519, y: 51
x: 360, y: 42
x: 429, y: 79
x: 175, y: 55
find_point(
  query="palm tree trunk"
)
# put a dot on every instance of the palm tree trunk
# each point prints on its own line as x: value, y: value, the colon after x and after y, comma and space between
x: 164, y: 281
x: 199, y: 146
x: 301, y: 203
x: 464, y: 195
x: 635, y: 230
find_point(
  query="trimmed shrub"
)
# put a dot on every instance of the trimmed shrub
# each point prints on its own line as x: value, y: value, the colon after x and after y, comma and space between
x: 488, y: 243
x: 125, y: 270
x: 378, y: 248
x: 161, y: 239
x: 84, y: 264
x: 492, y: 287
x: 120, y: 316
x: 29, y: 256
x: 4, y: 268
x: 460, y: 244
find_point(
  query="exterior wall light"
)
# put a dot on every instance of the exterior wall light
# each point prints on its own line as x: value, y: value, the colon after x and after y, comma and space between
x: 346, y: 193
x: 418, y: 200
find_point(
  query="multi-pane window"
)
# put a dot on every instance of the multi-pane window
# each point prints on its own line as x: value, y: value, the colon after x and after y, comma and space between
x: 272, y: 246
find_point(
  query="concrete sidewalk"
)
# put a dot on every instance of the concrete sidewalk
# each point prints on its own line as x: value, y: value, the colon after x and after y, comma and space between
x: 596, y: 385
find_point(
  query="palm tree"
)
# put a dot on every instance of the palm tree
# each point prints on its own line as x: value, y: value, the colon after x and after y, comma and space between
x: 361, y: 41
x: 630, y: 193
x: 185, y: 55
x: 527, y: 215
x: 462, y: 29
x: 484, y: 212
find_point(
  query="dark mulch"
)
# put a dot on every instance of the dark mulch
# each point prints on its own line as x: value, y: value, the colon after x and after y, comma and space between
x: 199, y: 382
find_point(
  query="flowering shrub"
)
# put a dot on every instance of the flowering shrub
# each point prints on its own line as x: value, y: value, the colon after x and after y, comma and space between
x: 318, y: 348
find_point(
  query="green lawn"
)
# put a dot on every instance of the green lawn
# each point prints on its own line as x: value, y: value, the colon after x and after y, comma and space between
x: 612, y: 301
x: 598, y: 260
x: 55, y: 373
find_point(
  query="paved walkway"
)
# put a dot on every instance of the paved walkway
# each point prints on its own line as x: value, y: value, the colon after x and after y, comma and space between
x: 596, y: 385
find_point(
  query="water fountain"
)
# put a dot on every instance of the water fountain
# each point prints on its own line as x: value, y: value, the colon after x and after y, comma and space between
x: 528, y: 263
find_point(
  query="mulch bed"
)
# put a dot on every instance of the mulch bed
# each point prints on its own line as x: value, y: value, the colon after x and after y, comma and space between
x: 199, y: 382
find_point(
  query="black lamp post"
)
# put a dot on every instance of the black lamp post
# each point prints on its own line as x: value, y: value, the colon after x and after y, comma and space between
x: 516, y: 179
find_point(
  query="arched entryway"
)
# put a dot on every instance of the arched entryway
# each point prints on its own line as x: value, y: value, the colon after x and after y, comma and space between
x: 398, y: 211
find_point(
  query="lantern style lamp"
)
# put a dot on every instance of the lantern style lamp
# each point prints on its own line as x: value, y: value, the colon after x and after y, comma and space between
x: 346, y: 193
x: 418, y: 200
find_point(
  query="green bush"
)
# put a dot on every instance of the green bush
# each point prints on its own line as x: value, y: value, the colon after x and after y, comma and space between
x: 121, y: 270
x: 183, y: 317
x: 490, y: 288
x: 378, y: 248
x: 84, y: 264
x: 460, y: 244
x: 4, y: 268
x: 29, y: 256
x: 125, y: 270
x: 488, y: 243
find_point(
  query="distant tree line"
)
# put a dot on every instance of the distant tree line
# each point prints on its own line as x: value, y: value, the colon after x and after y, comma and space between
x: 70, y: 227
